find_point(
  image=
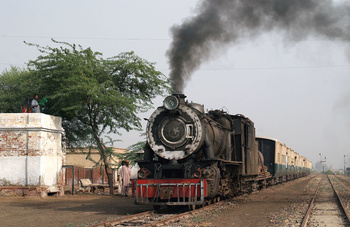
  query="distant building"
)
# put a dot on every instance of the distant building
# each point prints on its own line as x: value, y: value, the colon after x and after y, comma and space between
x: 321, y: 166
x: 87, y: 169
x: 78, y: 157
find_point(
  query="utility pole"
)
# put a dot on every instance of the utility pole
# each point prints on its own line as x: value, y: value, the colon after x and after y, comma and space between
x: 322, y: 162
x: 344, y: 164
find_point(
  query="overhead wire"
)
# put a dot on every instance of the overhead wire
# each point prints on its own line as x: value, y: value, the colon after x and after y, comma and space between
x: 77, y: 37
x: 167, y: 39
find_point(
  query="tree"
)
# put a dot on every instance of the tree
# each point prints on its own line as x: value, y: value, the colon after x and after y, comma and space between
x: 95, y: 96
x: 15, y: 86
x: 135, y: 153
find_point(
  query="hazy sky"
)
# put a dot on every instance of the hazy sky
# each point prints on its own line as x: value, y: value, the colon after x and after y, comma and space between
x: 298, y: 93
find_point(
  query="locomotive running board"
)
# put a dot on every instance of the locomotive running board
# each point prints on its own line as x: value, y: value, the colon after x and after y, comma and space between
x: 183, y: 191
x: 226, y: 162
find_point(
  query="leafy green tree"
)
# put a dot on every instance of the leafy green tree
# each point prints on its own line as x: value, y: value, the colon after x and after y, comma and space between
x: 15, y: 86
x: 135, y: 153
x: 329, y: 172
x: 96, y: 96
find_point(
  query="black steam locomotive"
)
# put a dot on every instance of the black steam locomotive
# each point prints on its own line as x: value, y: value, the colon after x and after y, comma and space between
x: 192, y: 157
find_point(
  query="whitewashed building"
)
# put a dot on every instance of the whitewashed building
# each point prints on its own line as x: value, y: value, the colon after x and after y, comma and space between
x: 31, y: 154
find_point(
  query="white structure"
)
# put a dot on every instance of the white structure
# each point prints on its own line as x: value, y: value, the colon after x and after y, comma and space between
x: 31, y: 153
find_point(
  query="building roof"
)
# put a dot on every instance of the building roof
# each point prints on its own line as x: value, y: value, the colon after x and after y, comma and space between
x: 78, y: 157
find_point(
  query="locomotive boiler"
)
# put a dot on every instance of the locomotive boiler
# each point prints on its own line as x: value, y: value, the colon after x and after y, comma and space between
x: 192, y: 157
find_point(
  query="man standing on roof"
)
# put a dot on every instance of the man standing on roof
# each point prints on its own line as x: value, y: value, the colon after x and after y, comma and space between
x: 35, y: 104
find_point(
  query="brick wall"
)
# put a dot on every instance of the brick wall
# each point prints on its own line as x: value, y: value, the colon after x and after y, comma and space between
x: 31, y: 154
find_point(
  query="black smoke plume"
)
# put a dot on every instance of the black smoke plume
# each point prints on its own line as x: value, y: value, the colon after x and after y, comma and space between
x: 219, y: 23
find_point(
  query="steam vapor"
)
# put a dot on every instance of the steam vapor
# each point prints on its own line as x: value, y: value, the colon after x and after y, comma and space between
x: 220, y: 23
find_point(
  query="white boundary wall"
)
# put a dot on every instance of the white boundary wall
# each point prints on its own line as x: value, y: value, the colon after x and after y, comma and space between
x: 31, y: 151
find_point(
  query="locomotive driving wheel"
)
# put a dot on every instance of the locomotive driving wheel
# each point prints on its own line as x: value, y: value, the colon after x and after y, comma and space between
x: 212, y: 174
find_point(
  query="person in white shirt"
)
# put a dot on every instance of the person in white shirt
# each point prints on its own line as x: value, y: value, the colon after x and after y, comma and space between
x: 125, y: 175
x: 35, y: 104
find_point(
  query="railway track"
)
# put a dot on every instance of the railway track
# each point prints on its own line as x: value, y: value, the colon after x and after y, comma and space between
x: 162, y: 217
x: 326, y: 207
x: 153, y: 218
x: 344, y: 180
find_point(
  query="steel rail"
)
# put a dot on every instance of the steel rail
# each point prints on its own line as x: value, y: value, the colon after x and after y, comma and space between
x: 163, y: 221
x: 343, y: 209
x: 155, y: 223
x: 340, y: 201
x: 167, y: 220
x: 307, y: 214
x: 122, y: 219
x: 183, y: 215
x: 192, y: 212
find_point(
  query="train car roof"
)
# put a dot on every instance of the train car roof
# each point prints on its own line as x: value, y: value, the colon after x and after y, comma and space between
x: 276, y: 140
x: 268, y: 138
x: 272, y: 139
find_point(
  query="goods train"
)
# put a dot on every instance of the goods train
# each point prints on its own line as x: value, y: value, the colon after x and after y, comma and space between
x: 192, y: 157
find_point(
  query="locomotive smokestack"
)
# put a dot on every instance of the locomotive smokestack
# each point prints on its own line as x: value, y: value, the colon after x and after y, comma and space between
x: 218, y: 24
x: 179, y: 95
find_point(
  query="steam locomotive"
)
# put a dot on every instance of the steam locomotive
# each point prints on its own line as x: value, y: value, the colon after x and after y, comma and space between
x: 192, y: 157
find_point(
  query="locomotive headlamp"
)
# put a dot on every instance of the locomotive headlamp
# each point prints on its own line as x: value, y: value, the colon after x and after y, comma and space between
x: 171, y: 103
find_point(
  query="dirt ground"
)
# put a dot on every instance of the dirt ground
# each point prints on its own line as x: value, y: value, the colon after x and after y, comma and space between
x: 280, y: 205
x: 69, y: 210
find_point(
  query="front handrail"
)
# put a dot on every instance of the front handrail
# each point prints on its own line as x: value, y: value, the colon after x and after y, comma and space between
x: 144, y: 195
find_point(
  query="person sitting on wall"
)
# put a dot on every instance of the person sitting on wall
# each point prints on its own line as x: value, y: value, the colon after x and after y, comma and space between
x: 35, y: 104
